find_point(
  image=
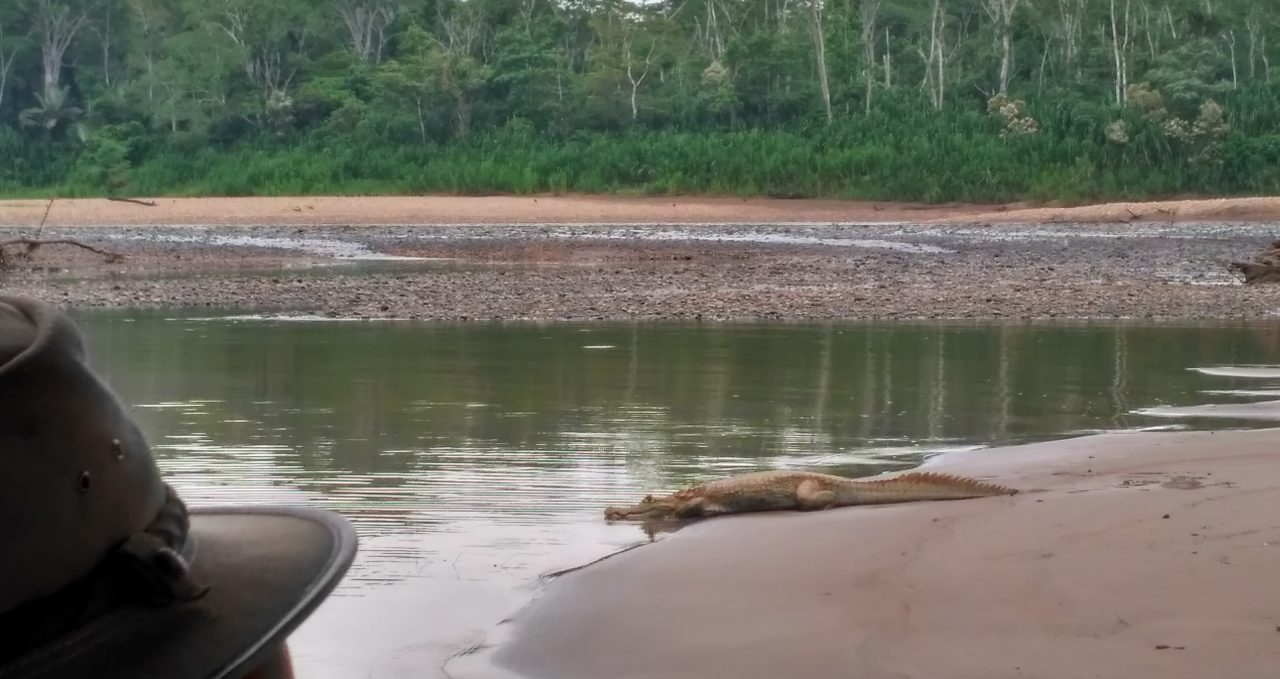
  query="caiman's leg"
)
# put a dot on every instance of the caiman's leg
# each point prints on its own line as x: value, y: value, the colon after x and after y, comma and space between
x: 810, y: 497
x: 698, y: 507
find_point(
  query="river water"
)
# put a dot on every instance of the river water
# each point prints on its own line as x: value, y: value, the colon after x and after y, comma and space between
x: 474, y: 459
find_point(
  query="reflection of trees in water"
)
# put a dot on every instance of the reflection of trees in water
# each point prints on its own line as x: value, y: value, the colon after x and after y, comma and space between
x: 394, y: 401
x: 938, y: 392
x: 1004, y: 388
x: 1119, y: 377
x: 822, y: 392
x: 1267, y: 339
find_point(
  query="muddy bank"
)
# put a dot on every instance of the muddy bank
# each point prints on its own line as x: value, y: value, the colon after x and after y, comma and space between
x: 726, y: 272
x: 1129, y: 555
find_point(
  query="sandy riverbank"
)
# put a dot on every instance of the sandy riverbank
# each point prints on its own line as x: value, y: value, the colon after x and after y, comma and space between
x: 365, y: 210
x: 1131, y: 555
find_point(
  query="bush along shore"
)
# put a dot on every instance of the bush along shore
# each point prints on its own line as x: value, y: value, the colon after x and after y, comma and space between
x: 898, y: 153
x: 983, y: 101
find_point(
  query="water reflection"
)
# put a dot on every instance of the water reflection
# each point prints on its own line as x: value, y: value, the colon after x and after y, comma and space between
x: 474, y: 458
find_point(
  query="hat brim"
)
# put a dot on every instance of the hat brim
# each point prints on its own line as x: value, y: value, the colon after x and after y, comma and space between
x: 268, y: 569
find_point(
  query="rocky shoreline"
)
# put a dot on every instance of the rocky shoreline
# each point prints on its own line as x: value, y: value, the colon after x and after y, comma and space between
x: 719, y: 272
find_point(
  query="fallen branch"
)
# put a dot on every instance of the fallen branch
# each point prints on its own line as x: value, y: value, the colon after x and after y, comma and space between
x: 135, y: 201
x: 33, y: 244
x: 45, y: 218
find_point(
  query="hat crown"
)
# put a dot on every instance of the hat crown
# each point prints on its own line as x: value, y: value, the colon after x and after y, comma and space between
x: 76, y: 475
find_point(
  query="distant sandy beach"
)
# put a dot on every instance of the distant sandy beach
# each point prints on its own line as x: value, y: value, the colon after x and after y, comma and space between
x: 360, y: 210
x: 1128, y: 555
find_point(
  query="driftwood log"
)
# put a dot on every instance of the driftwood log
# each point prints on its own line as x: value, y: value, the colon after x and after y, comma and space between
x: 23, y: 248
x: 135, y: 201
x: 26, y: 247
x: 1265, y: 268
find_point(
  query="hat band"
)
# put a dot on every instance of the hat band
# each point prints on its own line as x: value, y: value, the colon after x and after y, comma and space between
x: 146, y: 568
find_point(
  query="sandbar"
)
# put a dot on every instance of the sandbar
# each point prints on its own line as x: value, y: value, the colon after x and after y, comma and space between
x: 1128, y: 555
x: 562, y: 209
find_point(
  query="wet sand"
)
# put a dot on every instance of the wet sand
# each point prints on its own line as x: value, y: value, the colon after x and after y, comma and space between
x: 1129, y: 555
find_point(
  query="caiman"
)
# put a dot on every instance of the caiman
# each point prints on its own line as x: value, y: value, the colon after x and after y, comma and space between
x: 798, y: 490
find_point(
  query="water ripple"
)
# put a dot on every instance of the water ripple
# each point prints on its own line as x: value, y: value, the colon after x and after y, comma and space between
x: 1250, y: 372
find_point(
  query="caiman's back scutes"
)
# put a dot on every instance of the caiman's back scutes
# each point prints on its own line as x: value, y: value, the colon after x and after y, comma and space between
x: 957, y: 483
x: 775, y: 490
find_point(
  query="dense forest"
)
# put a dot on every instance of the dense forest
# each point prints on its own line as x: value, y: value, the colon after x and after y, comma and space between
x: 887, y: 99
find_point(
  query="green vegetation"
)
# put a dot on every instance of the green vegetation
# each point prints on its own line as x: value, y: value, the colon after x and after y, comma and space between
x: 934, y: 100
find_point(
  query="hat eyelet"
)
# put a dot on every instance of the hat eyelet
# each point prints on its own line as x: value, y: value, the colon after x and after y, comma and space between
x: 84, y: 482
x: 117, y: 450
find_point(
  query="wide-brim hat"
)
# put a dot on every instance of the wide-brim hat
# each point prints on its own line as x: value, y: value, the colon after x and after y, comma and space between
x: 125, y: 581
x: 267, y: 569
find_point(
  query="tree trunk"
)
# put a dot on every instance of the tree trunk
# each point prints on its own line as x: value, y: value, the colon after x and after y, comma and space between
x: 1115, y: 53
x: 462, y: 114
x: 263, y: 64
x: 1002, y: 13
x: 820, y: 54
x: 6, y: 63
x: 1044, y: 63
x: 1072, y: 13
x: 942, y: 60
x: 422, y: 121
x: 105, y: 36
x: 636, y: 81
x: 151, y: 80
x: 1006, y: 58
x: 1149, y: 30
x: 56, y: 27
x: 1254, y: 29
x: 937, y: 41
x: 712, y: 41
x: 1119, y: 51
x: 366, y: 22
x: 870, y: 14
x: 1230, y: 37
x: 1266, y: 61
x: 888, y: 61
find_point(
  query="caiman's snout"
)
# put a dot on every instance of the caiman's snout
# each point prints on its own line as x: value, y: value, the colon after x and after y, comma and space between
x: 646, y: 506
x: 626, y: 513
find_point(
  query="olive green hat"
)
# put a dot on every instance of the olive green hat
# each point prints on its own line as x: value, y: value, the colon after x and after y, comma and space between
x: 103, y: 570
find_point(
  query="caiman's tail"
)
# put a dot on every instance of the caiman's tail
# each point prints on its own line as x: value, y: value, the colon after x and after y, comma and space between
x: 922, y: 486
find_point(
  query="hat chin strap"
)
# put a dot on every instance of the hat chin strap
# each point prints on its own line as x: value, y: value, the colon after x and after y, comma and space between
x: 147, y: 568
